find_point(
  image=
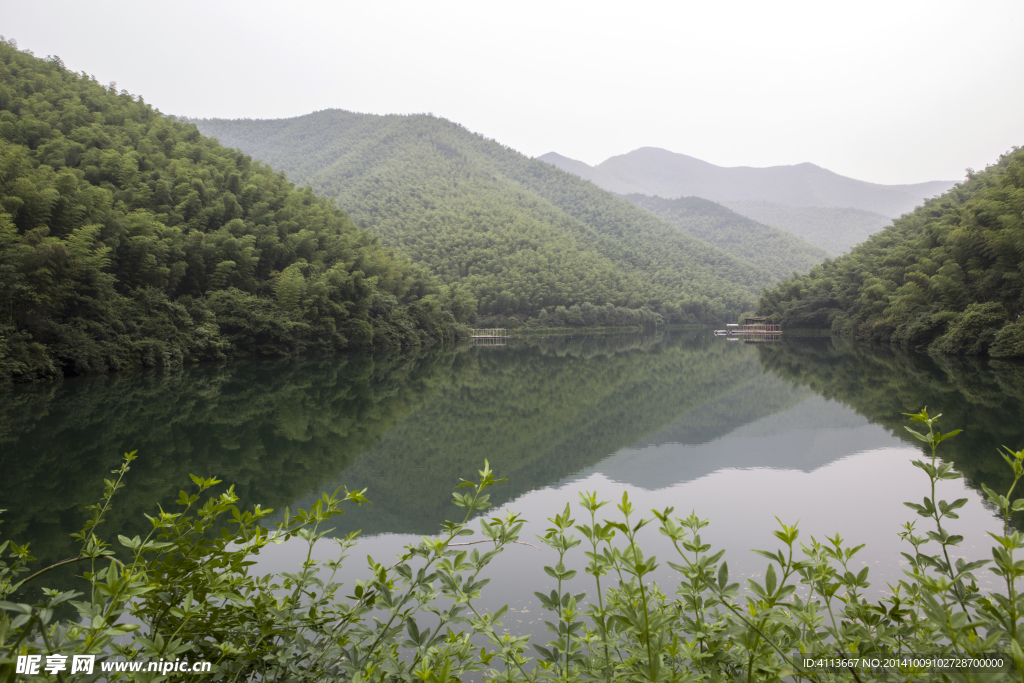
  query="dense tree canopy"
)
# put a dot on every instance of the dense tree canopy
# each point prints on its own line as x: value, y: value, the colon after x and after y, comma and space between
x: 128, y: 238
x: 776, y: 251
x: 521, y: 235
x: 949, y: 276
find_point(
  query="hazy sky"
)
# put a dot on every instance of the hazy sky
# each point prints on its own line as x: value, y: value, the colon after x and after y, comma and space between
x: 890, y: 92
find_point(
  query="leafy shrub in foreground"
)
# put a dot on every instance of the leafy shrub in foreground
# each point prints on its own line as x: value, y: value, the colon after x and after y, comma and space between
x: 186, y: 591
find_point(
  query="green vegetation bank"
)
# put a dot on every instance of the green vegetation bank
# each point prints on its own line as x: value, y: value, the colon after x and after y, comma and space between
x: 948, y: 277
x: 127, y: 238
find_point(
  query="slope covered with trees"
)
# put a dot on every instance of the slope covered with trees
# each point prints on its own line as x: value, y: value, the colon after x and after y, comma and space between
x: 949, y: 276
x: 834, y: 229
x: 519, y: 235
x: 771, y: 249
x: 127, y: 238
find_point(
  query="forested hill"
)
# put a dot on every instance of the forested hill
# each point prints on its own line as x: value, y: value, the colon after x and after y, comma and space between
x: 949, y: 276
x: 521, y: 235
x: 654, y: 171
x: 778, y: 252
x: 834, y: 229
x: 127, y: 238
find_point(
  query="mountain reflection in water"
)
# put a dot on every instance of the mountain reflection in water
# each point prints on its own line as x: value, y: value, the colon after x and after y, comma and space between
x: 677, y: 419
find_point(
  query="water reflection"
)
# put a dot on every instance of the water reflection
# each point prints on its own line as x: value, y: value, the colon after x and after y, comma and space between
x: 276, y: 430
x: 809, y: 428
x: 805, y: 438
x: 544, y: 411
x: 984, y: 398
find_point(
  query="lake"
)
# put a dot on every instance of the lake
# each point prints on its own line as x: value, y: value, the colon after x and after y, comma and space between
x: 808, y: 430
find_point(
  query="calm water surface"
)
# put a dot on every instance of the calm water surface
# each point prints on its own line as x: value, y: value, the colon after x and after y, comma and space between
x: 807, y: 430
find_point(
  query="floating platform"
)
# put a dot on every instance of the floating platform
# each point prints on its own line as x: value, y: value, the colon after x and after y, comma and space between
x: 491, y: 333
x: 753, y: 330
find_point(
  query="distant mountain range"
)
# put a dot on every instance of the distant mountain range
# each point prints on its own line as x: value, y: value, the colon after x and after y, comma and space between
x: 654, y: 171
x: 767, y: 195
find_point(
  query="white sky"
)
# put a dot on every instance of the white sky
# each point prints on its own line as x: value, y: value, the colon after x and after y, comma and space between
x: 890, y: 92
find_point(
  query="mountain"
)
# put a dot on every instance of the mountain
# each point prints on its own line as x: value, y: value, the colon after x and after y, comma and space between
x: 517, y: 234
x: 654, y: 171
x: 833, y: 229
x: 777, y: 251
x: 127, y: 239
x: 821, y: 207
x: 577, y: 167
x: 947, y: 276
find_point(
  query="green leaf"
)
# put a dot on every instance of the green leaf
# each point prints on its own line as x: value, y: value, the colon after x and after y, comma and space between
x: 770, y: 580
x: 15, y: 607
x: 918, y: 435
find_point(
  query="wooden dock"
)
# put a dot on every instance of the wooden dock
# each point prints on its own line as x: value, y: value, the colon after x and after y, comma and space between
x: 753, y: 330
x: 491, y: 333
x: 495, y: 336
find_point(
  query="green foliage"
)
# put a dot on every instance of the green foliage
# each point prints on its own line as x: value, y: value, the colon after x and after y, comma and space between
x: 188, y: 592
x: 947, y: 275
x: 775, y: 251
x: 519, y: 234
x: 127, y: 238
x: 834, y: 229
x: 589, y: 315
x: 973, y: 331
x: 1009, y: 342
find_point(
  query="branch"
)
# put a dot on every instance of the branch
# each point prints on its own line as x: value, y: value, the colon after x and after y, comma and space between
x: 52, y: 566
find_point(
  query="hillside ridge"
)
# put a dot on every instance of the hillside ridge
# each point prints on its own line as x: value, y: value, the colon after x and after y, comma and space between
x: 656, y: 171
x: 520, y: 235
x: 777, y: 251
x: 129, y: 239
x: 946, y: 277
x: 836, y: 230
